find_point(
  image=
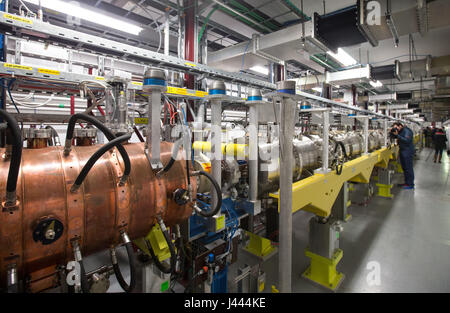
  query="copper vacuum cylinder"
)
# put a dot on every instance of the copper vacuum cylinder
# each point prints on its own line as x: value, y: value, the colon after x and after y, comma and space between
x: 94, y: 215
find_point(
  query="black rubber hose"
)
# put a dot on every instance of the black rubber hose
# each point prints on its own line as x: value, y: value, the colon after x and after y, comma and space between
x: 118, y: 273
x: 181, y: 253
x: 167, y: 167
x: 218, y: 193
x: 16, y: 155
x: 161, y: 266
x: 138, y: 134
x: 84, y: 281
x: 97, y: 155
x: 53, y: 141
x: 173, y: 254
x: 108, y: 134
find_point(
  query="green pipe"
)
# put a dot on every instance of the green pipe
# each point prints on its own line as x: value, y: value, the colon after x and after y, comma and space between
x: 253, y: 15
x: 200, y: 35
x: 245, y: 21
x: 324, y: 62
x: 296, y: 10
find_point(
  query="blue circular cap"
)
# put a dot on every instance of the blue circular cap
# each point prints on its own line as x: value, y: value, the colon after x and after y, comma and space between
x: 216, y: 92
x: 255, y: 98
x: 211, y: 258
x: 289, y: 91
x: 154, y: 81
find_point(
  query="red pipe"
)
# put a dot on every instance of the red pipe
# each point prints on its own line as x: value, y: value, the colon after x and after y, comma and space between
x: 72, y: 105
x: 102, y: 112
x: 189, y: 46
x: 189, y: 39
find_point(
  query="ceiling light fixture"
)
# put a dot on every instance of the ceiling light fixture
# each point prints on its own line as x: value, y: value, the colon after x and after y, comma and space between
x: 376, y: 84
x: 88, y: 15
x: 343, y: 57
x: 260, y: 69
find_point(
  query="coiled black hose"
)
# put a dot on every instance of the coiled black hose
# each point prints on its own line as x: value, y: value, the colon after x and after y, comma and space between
x: 341, y: 166
x: 218, y: 193
x: 161, y: 266
x: 103, y: 149
x: 132, y: 262
x: 16, y: 156
x: 108, y: 134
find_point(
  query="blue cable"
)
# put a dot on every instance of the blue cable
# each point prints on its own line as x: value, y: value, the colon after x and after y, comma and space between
x: 184, y: 114
x: 243, y: 56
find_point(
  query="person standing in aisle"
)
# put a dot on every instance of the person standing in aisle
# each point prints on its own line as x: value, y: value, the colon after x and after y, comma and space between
x: 404, y: 137
x: 440, y: 140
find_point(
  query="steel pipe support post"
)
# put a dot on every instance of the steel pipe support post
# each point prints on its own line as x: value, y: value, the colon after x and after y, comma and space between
x: 288, y: 106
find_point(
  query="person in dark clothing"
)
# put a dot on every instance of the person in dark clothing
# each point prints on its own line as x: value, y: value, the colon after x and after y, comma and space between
x: 433, y: 132
x: 428, y: 139
x: 404, y: 137
x: 440, y: 140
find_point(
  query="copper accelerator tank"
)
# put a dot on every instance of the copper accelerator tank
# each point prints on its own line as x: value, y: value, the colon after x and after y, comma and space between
x: 94, y: 214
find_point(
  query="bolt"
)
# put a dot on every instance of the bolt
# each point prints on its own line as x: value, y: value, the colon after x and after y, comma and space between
x: 50, y: 234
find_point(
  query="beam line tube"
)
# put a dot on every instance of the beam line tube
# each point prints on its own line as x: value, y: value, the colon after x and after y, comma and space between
x: 285, y: 220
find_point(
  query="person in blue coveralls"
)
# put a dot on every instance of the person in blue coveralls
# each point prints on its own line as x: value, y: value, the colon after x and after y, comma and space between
x: 405, y: 137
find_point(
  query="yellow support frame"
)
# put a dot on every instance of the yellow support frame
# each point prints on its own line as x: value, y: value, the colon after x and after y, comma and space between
x: 385, y: 191
x: 317, y: 194
x: 260, y: 246
x: 323, y: 270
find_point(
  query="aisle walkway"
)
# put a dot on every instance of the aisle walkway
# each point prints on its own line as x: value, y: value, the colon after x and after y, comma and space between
x: 409, y: 236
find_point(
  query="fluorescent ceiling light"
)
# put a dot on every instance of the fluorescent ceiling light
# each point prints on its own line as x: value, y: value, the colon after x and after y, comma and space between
x: 376, y: 84
x: 260, y: 69
x: 318, y: 89
x: 343, y: 57
x: 88, y: 15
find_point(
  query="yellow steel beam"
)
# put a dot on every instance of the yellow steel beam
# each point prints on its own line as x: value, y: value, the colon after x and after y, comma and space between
x: 318, y: 193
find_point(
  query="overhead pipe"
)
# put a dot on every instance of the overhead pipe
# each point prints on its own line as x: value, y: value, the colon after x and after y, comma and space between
x: 242, y: 15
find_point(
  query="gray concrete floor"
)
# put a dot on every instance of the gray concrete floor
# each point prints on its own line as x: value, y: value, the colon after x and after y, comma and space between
x: 409, y: 236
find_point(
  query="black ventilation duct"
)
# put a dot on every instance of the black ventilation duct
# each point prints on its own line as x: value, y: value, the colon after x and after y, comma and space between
x: 386, y: 72
x: 343, y: 28
x: 404, y: 96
